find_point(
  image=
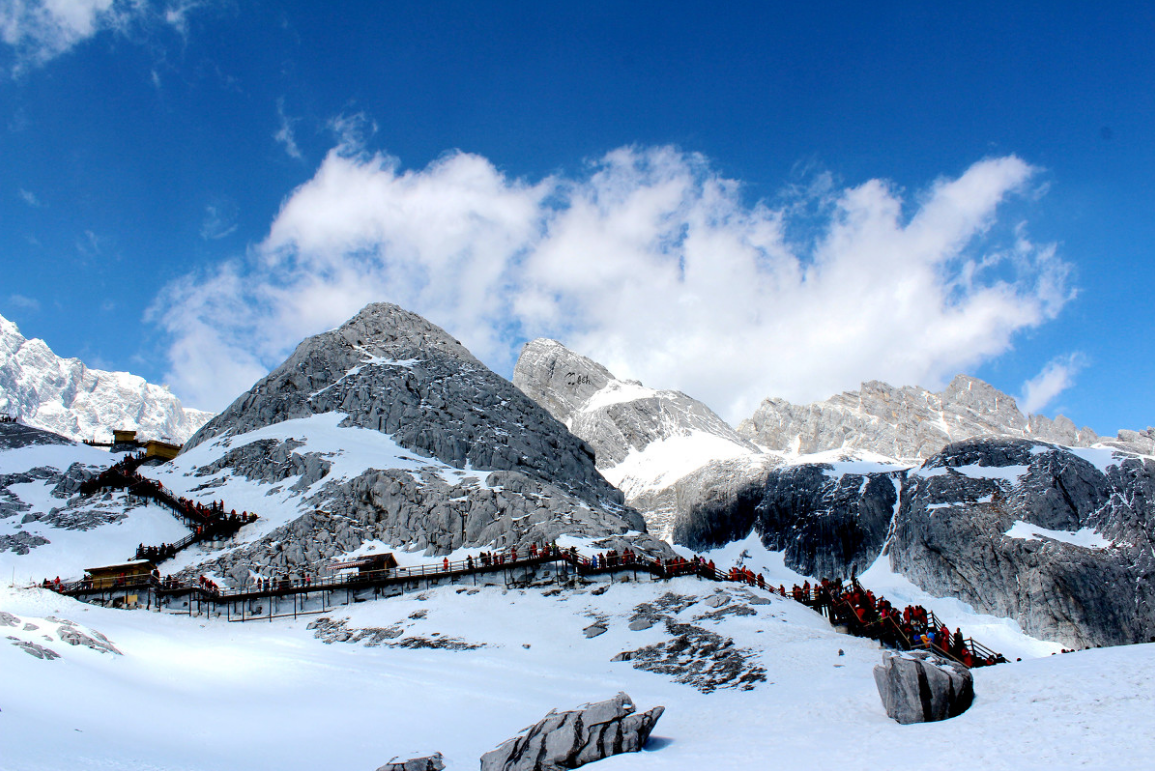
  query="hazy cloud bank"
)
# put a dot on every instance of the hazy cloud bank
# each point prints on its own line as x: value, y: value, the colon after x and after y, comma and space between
x: 649, y: 262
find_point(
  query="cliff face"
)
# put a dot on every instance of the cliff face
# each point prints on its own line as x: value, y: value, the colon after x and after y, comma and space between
x: 1061, y: 540
x: 67, y: 398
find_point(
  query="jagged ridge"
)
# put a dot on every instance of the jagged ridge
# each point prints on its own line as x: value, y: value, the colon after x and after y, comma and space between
x: 66, y: 397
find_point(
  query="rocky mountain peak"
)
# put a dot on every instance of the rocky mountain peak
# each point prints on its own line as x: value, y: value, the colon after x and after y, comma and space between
x: 984, y: 399
x: 390, y: 370
x: 645, y: 439
x: 390, y: 329
x: 912, y: 423
x: 66, y: 397
x: 557, y: 378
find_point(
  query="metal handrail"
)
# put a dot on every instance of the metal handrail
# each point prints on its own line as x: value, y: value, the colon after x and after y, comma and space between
x: 502, y: 561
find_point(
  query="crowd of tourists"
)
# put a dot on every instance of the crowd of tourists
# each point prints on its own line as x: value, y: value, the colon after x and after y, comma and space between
x: 868, y: 615
x: 208, y: 521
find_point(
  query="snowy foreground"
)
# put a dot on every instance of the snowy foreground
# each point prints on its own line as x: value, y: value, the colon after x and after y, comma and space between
x: 185, y: 693
x: 202, y: 693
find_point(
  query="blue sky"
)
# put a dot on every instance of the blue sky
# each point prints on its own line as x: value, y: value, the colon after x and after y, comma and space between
x: 757, y: 200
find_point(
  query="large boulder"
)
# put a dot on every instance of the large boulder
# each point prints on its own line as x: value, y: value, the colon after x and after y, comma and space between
x: 575, y: 737
x: 919, y: 687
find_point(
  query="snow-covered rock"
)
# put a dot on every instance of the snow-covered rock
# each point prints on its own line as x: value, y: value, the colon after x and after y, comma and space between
x: 389, y: 430
x: 1059, y: 539
x: 912, y: 423
x: 434, y: 762
x: 572, y: 738
x: 829, y: 520
x: 955, y: 533
x: 66, y: 397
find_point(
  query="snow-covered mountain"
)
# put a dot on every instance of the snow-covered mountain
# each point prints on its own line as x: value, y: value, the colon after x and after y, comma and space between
x: 645, y: 440
x: 828, y: 490
x: 66, y: 397
x: 387, y: 430
x: 386, y: 435
x: 911, y: 423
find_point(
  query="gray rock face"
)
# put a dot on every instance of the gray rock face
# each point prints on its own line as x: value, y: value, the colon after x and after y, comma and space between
x: 951, y: 537
x: 392, y: 371
x: 15, y: 435
x: 918, y: 687
x: 614, y: 416
x: 434, y: 762
x: 429, y: 514
x: 827, y: 524
x: 913, y: 423
x: 564, y: 740
x: 622, y: 418
x: 558, y: 379
x: 946, y: 525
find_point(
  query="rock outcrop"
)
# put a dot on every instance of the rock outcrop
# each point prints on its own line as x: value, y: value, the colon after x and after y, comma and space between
x: 919, y: 687
x: 16, y: 435
x: 828, y: 522
x: 912, y: 423
x: 434, y: 762
x: 1038, y: 533
x: 569, y: 739
x: 392, y: 371
x: 68, y: 398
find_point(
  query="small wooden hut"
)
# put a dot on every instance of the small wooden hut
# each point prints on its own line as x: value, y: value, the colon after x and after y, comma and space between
x: 124, y: 575
x: 163, y: 450
x: 370, y: 563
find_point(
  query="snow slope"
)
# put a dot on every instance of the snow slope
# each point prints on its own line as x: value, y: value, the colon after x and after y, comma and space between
x: 200, y: 693
x: 102, y: 530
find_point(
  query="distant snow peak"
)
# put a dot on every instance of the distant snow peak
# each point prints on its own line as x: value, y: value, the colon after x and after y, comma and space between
x: 66, y: 397
x: 912, y: 423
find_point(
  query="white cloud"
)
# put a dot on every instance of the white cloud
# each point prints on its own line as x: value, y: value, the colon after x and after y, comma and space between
x: 24, y: 303
x: 650, y: 262
x: 284, y: 134
x: 1057, y: 376
x: 40, y: 30
x: 30, y: 198
x: 220, y: 219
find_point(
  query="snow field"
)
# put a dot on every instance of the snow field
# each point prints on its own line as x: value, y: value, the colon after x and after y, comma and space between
x: 200, y: 693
